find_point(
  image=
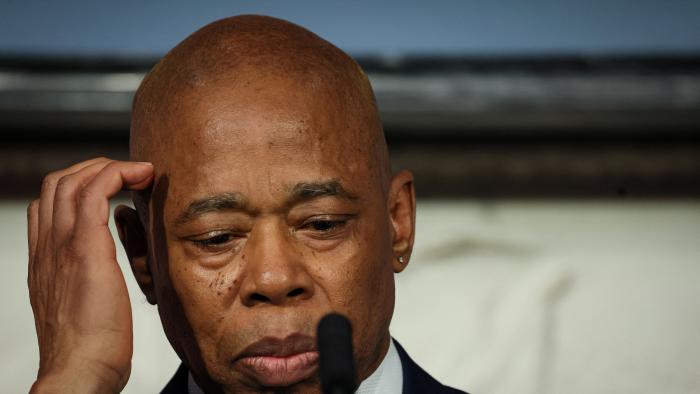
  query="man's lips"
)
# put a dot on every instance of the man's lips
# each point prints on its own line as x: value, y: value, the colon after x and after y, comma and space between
x: 275, y: 362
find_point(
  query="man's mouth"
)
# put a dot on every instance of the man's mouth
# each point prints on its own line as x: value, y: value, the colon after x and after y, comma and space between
x: 275, y: 362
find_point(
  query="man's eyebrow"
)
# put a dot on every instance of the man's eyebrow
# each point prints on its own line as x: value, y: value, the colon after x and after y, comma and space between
x: 304, y: 191
x: 215, y: 203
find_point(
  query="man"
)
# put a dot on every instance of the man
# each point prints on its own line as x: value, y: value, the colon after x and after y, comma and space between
x: 264, y: 200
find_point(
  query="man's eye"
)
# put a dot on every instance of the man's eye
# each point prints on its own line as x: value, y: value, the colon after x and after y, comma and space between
x: 324, y: 226
x: 214, y: 241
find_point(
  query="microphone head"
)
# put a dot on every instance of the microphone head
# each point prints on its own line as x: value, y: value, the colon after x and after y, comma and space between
x: 336, y: 361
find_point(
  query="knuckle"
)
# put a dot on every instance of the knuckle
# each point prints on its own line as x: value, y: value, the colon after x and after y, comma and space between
x: 32, y: 207
x: 112, y: 166
x: 63, y: 184
x: 86, y: 193
x: 49, y: 181
x: 67, y: 184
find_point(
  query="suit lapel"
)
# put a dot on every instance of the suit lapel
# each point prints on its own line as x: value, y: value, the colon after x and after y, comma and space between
x: 416, y: 380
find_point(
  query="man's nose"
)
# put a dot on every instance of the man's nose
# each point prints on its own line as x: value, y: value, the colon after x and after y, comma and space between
x: 275, y: 270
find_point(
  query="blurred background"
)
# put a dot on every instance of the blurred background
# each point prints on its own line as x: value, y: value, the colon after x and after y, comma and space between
x: 556, y: 147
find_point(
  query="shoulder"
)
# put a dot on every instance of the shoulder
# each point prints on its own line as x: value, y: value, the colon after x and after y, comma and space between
x: 416, y: 380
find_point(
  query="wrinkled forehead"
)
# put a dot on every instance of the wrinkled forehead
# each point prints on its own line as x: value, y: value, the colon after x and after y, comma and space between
x: 263, y: 135
x: 247, y: 115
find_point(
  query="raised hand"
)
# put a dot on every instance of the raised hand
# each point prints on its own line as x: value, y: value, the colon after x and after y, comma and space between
x: 77, y: 291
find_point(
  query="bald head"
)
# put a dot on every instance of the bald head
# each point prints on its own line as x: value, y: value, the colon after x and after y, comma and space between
x: 240, y: 60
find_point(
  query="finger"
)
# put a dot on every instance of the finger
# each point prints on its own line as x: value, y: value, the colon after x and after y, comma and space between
x: 48, y: 189
x: 32, y: 230
x: 93, y: 199
x: 65, y: 199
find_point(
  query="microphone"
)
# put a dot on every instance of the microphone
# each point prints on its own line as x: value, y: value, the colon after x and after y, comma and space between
x: 336, y: 361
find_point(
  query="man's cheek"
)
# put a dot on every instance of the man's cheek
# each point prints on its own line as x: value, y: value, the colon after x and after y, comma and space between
x: 203, y: 312
x: 200, y: 296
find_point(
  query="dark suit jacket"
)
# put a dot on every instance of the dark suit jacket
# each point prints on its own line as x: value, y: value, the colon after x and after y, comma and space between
x: 415, y: 379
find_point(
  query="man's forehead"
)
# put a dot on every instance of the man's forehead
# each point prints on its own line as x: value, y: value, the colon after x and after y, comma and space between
x: 273, y: 147
x: 259, y: 146
x: 258, y: 114
x: 254, y: 174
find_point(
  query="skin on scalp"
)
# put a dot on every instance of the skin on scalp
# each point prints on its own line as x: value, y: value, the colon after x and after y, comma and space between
x: 254, y: 106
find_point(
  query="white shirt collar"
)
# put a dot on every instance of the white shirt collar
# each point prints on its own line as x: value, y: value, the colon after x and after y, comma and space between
x: 386, y: 379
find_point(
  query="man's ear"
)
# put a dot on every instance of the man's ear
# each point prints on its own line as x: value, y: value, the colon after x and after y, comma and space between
x: 133, y: 237
x: 402, y: 212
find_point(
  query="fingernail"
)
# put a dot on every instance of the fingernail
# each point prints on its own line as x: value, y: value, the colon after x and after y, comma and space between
x: 144, y: 163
